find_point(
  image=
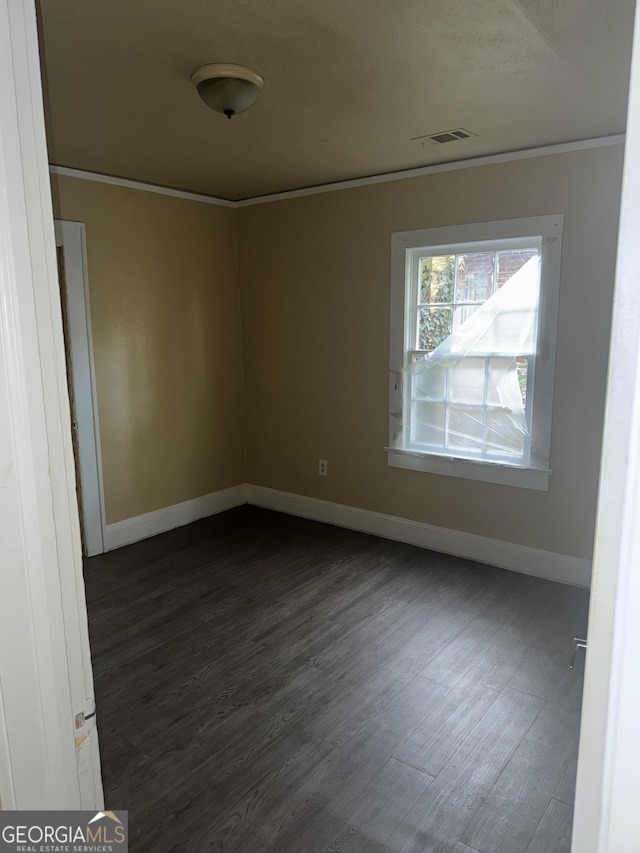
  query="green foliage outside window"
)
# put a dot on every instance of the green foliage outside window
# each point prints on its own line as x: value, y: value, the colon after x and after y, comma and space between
x: 437, y: 281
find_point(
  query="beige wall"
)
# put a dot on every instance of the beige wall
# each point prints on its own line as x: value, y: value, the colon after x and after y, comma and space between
x: 314, y: 275
x: 163, y: 281
x: 315, y: 297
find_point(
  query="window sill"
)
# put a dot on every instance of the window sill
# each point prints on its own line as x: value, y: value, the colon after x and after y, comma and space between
x: 467, y: 469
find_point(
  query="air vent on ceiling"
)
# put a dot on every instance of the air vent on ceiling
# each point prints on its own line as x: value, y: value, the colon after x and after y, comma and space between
x: 444, y: 136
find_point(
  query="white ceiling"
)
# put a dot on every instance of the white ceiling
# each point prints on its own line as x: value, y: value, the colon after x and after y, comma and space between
x: 348, y: 83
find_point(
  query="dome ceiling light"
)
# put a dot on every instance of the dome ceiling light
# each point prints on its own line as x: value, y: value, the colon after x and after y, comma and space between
x: 227, y: 89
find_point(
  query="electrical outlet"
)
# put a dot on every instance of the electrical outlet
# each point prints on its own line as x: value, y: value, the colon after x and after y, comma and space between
x: 323, y: 467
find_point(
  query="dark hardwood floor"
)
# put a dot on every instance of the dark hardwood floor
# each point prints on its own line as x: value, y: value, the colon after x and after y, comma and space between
x: 266, y: 683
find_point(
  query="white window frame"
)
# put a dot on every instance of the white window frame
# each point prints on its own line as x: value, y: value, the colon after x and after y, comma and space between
x: 446, y: 240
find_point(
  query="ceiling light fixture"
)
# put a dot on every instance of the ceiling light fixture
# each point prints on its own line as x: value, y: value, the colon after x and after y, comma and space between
x: 227, y: 89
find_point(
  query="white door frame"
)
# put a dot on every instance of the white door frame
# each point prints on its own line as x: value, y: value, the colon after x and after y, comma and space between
x: 45, y: 665
x: 71, y: 236
x: 607, y: 804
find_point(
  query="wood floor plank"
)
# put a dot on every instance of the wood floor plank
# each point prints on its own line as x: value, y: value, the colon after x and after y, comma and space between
x: 195, y: 801
x: 151, y: 684
x: 553, y: 833
x: 547, y: 661
x: 377, y: 811
x: 433, y: 743
x: 337, y: 789
x: 568, y: 698
x: 494, y: 644
x: 123, y: 764
x: 257, y: 675
x: 259, y: 813
x: 509, y: 814
x: 389, y: 699
x: 565, y: 790
x: 264, y: 706
x: 436, y: 822
x: 407, y: 637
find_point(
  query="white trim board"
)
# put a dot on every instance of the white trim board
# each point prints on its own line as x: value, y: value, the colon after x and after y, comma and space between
x: 152, y: 523
x: 71, y: 237
x: 99, y: 178
x: 418, y: 172
x: 506, y: 555
x: 438, y: 168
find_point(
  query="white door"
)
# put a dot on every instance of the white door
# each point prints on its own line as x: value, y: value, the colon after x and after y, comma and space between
x: 607, y: 818
x: 49, y: 755
x: 72, y: 270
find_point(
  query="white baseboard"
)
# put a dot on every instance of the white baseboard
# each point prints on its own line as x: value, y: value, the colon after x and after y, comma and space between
x: 506, y: 555
x: 151, y: 523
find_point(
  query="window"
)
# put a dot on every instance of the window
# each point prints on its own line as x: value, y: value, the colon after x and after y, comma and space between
x: 473, y: 318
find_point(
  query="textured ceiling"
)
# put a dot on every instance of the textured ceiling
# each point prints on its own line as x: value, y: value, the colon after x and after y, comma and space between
x: 348, y: 83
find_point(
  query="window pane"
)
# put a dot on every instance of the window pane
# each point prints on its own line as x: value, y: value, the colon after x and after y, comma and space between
x: 434, y: 327
x: 497, y: 392
x: 429, y: 384
x: 428, y: 424
x: 522, y: 366
x: 466, y: 381
x: 475, y: 277
x: 437, y: 276
x: 465, y: 428
x: 462, y: 314
x: 503, y: 436
x: 511, y: 261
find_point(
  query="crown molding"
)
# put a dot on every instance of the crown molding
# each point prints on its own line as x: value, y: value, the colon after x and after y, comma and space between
x: 387, y: 177
x: 438, y: 168
x: 138, y: 185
